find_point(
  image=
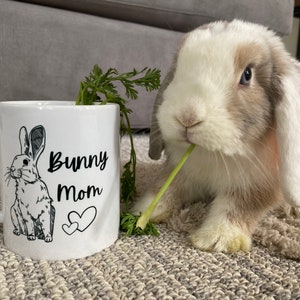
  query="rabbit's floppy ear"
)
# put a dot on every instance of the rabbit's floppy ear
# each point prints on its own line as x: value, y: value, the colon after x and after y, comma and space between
x: 37, y: 141
x: 24, y: 140
x: 287, y: 115
x: 156, y: 141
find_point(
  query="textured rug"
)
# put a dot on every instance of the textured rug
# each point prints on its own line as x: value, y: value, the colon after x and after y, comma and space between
x: 164, y: 267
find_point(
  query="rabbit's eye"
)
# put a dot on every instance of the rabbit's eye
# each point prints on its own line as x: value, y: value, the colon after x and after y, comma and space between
x: 246, y: 76
x: 25, y: 162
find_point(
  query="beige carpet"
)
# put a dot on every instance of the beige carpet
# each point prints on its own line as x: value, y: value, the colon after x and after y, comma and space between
x: 164, y: 267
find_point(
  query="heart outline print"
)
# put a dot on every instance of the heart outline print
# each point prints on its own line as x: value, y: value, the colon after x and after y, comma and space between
x: 80, y: 222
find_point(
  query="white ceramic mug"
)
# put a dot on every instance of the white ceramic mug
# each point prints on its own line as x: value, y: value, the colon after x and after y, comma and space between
x: 59, y: 178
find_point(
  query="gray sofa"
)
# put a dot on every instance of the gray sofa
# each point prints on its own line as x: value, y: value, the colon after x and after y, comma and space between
x: 48, y: 46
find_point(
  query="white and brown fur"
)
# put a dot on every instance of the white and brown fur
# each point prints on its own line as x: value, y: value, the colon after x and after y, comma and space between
x: 235, y: 166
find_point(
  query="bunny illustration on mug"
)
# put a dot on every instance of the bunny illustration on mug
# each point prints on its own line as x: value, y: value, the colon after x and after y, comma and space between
x: 32, y: 213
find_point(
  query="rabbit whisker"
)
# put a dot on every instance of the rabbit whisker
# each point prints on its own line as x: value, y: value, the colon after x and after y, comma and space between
x: 258, y: 164
x: 225, y: 165
x: 25, y: 175
x: 8, y: 178
x: 241, y: 172
x: 7, y: 173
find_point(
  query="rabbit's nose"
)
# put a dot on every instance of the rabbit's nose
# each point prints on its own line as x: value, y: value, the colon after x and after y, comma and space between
x: 189, y: 120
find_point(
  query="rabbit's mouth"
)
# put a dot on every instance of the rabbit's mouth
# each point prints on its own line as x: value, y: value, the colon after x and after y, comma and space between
x: 24, y: 174
x: 15, y: 173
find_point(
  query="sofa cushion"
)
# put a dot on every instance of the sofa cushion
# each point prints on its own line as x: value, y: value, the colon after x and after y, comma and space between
x: 183, y: 16
x: 45, y: 52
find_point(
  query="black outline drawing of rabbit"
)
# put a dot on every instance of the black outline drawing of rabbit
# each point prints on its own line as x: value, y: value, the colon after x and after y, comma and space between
x: 32, y: 213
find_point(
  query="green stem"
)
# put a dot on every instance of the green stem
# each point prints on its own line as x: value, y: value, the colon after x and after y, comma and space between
x: 79, y: 96
x: 132, y: 158
x: 145, y: 216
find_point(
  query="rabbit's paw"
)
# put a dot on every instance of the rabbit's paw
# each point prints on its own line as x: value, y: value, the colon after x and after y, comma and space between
x: 160, y: 213
x: 228, y: 238
x: 31, y: 237
x: 16, y: 232
x: 48, y: 238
